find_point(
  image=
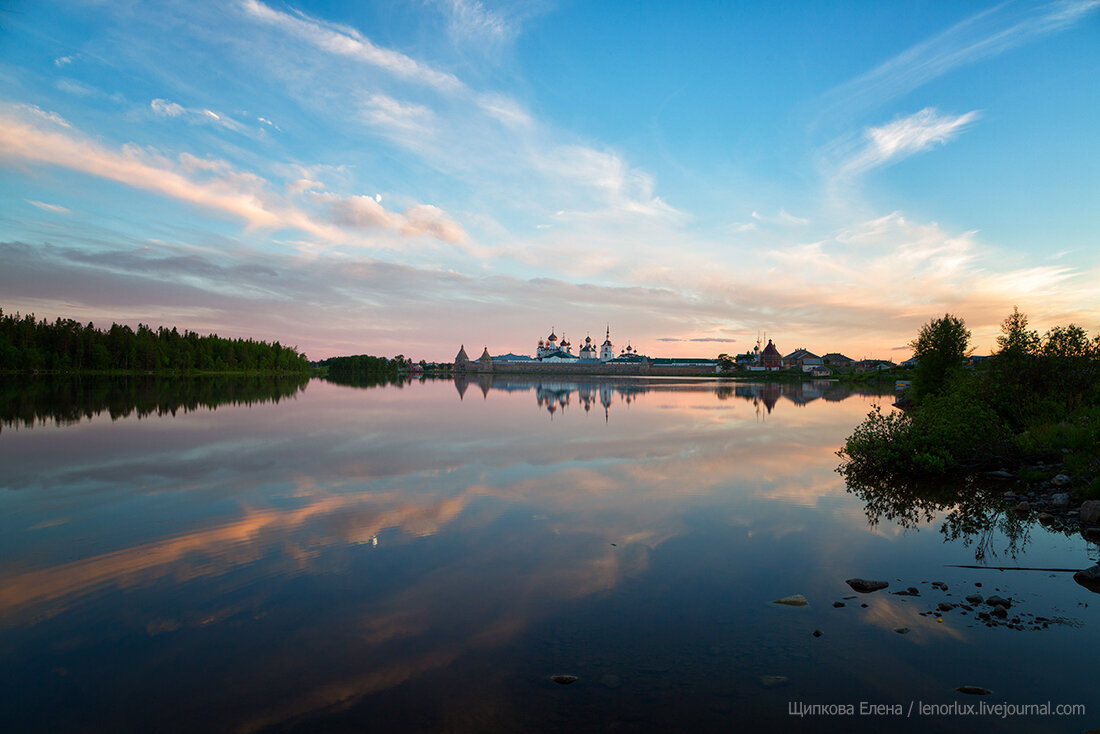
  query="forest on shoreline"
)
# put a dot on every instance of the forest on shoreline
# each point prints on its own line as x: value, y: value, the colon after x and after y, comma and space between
x: 30, y: 345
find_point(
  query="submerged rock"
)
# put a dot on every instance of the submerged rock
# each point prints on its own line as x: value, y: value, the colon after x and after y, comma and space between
x: 901, y: 630
x: 1089, y: 578
x: 564, y: 680
x: 774, y: 681
x: 865, y: 586
x: 838, y: 604
x: 795, y: 600
x: 974, y: 690
x: 818, y: 633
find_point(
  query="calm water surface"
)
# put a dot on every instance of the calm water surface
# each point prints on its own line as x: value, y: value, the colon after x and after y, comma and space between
x: 425, y: 557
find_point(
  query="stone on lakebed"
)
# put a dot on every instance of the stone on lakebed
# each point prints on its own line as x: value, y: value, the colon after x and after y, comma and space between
x: 865, y: 586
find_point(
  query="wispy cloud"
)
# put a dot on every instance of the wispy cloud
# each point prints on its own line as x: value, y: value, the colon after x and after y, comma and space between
x: 903, y: 137
x: 168, y: 109
x: 784, y: 218
x: 981, y: 36
x: 55, y: 208
x: 470, y: 19
x: 348, y: 42
x: 208, y: 183
x: 366, y: 212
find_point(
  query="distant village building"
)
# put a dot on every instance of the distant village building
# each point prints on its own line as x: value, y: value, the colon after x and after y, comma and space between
x: 804, y: 360
x: 836, y: 359
x: 873, y: 365
x: 770, y: 358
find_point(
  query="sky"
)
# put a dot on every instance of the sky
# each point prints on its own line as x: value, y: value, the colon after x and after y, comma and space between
x: 408, y: 177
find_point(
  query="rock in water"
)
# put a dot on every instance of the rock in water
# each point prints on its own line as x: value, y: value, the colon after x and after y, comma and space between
x: 773, y: 681
x: 795, y: 600
x: 866, y: 587
x: 818, y: 633
x: 974, y: 690
x: 901, y: 630
x: 998, y: 601
x: 564, y: 680
x: 1089, y: 578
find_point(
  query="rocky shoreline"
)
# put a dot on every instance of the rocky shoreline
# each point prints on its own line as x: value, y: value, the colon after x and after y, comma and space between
x: 1057, y: 503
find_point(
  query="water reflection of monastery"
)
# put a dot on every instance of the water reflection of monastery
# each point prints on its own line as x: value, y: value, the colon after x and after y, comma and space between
x: 556, y: 396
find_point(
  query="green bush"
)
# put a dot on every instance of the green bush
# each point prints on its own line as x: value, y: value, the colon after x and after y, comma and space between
x: 952, y: 430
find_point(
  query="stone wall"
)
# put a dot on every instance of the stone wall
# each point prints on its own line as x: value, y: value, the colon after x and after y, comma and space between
x: 584, y: 368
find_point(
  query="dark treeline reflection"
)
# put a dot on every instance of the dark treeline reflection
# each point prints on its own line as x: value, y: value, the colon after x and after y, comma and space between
x: 66, y: 399
x: 563, y: 392
x: 373, y: 380
x: 973, y: 510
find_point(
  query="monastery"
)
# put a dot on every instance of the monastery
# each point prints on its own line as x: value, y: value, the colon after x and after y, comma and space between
x: 556, y: 355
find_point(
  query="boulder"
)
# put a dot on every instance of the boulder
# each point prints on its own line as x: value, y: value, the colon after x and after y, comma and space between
x: 1089, y: 578
x: 865, y: 586
x: 974, y: 690
x: 1060, y: 481
x: 1090, y: 512
x: 1059, y: 499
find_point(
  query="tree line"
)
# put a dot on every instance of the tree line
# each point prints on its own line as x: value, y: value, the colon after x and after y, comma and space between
x: 360, y: 367
x: 1036, y: 396
x: 65, y: 345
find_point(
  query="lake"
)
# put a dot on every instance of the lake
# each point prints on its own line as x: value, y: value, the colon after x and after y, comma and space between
x: 253, y: 556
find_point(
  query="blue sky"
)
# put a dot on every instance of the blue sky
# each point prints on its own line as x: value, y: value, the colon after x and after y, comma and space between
x: 405, y: 177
